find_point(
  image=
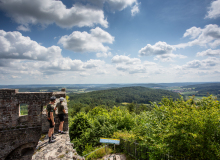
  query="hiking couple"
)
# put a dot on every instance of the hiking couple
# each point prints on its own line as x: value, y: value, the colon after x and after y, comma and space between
x: 51, y: 117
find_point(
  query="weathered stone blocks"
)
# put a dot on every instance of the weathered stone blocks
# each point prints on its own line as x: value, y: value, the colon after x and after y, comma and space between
x: 19, y: 135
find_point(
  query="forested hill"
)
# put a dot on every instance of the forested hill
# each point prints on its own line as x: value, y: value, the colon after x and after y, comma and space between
x: 119, y: 95
x: 204, y: 89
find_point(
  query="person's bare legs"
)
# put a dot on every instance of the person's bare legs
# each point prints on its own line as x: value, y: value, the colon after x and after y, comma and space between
x: 61, y: 126
x: 50, y: 132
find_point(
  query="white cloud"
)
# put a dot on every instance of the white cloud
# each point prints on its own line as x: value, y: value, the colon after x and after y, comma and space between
x: 193, y: 32
x: 125, y: 59
x: 206, y: 64
x: 210, y: 35
x: 15, y: 77
x: 168, y: 57
x: 85, y: 42
x: 120, y: 4
x: 105, y: 55
x: 135, y: 9
x: 215, y: 43
x: 101, y: 72
x: 115, y: 5
x: 134, y: 65
x: 62, y: 64
x: 214, y: 11
x: 132, y: 70
x: 47, y: 12
x: 158, y: 49
x: 15, y: 46
x: 209, y: 52
x: 24, y: 28
x: 20, y: 55
x: 83, y: 74
x: 93, y: 63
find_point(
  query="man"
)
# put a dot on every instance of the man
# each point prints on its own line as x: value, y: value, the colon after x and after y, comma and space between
x: 61, y: 114
x: 51, y: 119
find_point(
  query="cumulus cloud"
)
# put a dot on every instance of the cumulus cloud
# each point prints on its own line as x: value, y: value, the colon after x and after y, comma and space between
x: 101, y: 72
x: 93, y: 63
x: 115, y: 5
x: 193, y: 32
x: 15, y: 77
x: 210, y: 35
x: 85, y: 42
x: 135, y: 9
x: 132, y: 70
x: 62, y: 64
x: 133, y: 65
x: 14, y: 45
x: 214, y: 11
x: 168, y: 57
x: 127, y: 64
x: 158, y: 49
x: 209, y: 52
x: 120, y: 4
x: 105, y: 55
x: 24, y: 28
x: 84, y: 74
x: 21, y: 55
x: 125, y: 59
x: 46, y: 12
x: 206, y: 64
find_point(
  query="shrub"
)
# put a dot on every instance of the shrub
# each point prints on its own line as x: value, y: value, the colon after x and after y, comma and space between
x: 184, y: 129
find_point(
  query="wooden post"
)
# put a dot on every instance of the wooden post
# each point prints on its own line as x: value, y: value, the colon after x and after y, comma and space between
x: 135, y: 149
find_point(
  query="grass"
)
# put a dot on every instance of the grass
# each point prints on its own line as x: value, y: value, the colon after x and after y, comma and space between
x: 174, y: 88
x: 61, y: 156
x: 99, y: 153
x: 42, y: 137
x: 189, y: 93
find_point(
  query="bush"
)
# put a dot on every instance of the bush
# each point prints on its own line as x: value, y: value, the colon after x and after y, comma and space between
x: 184, y: 129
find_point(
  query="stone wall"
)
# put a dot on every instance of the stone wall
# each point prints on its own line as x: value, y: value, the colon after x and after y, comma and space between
x: 19, y: 135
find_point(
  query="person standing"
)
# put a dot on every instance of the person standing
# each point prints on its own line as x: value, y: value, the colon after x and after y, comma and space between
x: 61, y: 114
x: 51, y: 119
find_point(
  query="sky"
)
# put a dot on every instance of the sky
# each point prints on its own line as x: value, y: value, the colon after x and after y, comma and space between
x: 109, y: 41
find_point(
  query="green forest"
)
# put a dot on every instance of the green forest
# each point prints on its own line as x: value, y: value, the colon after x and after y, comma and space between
x: 164, y: 125
x: 114, y: 97
x: 205, y: 89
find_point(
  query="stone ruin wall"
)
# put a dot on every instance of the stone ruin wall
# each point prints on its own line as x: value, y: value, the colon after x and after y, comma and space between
x: 19, y: 135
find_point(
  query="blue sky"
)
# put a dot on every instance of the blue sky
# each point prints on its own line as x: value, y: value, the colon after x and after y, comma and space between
x: 109, y: 41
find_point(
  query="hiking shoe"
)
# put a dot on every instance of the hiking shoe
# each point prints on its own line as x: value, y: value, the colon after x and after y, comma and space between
x: 63, y: 132
x: 59, y: 131
x: 53, y: 137
x: 52, y: 141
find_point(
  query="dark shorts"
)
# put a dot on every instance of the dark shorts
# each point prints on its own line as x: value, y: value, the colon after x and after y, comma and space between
x: 61, y: 117
x: 51, y: 124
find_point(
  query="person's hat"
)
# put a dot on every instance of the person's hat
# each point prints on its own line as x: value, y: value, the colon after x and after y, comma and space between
x: 61, y: 98
x: 52, y: 98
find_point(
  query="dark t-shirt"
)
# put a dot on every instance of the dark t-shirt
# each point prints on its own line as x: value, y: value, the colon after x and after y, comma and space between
x: 60, y: 108
x: 50, y: 108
